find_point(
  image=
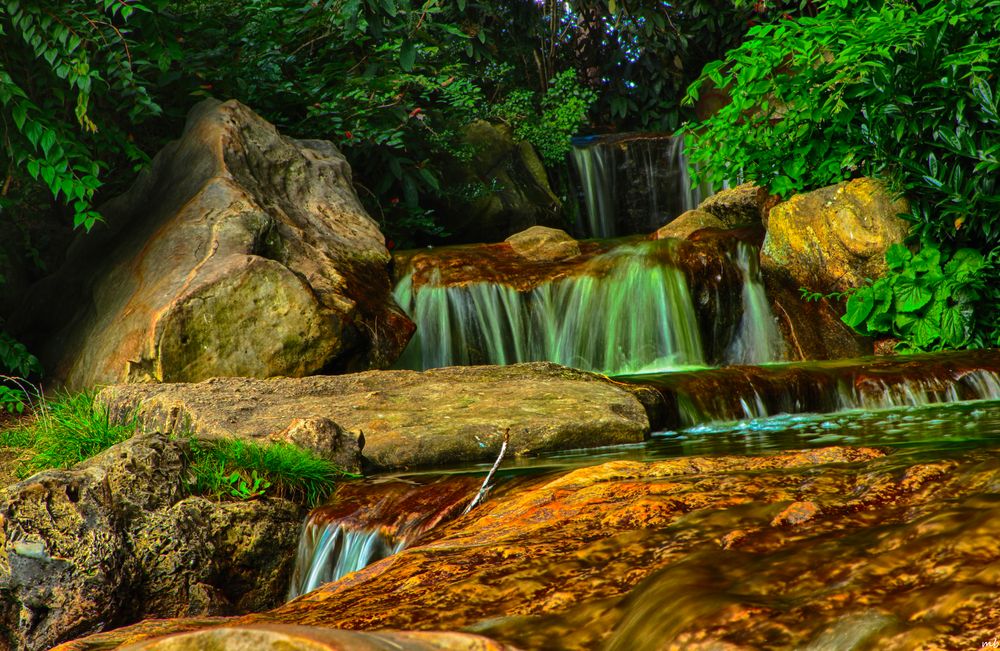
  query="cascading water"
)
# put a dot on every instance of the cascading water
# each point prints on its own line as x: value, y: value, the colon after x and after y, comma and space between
x: 371, y: 521
x: 330, y: 551
x: 628, y: 312
x: 596, y: 168
x: 736, y: 393
x: 759, y: 341
x: 632, y: 183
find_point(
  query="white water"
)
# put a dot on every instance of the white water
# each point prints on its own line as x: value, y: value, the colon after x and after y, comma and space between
x: 330, y: 551
x: 632, y: 314
x: 846, y: 393
x: 759, y: 340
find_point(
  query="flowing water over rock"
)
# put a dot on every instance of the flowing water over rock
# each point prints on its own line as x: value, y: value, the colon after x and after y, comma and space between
x: 628, y: 310
x: 740, y: 392
x: 632, y: 183
x: 370, y: 521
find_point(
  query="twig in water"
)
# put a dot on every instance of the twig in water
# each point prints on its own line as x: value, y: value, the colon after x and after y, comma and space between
x: 486, y: 482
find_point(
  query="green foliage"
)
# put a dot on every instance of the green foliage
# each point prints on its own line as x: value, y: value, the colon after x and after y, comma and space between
x: 243, y: 489
x: 71, y: 86
x: 651, y: 51
x: 904, y: 89
x: 548, y: 123
x: 67, y: 430
x: 931, y: 301
x: 12, y: 400
x: 15, y: 358
x: 245, y: 470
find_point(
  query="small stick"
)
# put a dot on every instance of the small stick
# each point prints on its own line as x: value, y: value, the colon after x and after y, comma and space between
x: 486, y: 482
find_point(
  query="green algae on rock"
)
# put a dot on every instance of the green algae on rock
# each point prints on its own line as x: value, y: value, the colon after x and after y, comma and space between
x: 117, y: 539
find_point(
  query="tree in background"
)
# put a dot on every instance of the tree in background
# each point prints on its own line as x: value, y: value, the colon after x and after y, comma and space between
x: 75, y: 83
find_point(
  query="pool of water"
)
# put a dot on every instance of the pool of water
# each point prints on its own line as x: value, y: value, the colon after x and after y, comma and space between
x: 927, y: 431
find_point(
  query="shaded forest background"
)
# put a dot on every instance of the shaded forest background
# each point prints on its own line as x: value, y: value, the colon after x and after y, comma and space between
x: 810, y: 94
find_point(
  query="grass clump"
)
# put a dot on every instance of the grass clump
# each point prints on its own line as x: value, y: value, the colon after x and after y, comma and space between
x: 235, y: 468
x: 67, y: 429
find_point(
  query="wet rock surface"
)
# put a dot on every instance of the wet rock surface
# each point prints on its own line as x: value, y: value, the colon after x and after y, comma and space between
x: 832, y: 239
x: 408, y: 418
x: 834, y: 546
x: 542, y: 244
x: 240, y: 252
x: 739, y: 206
x: 688, y: 223
x: 310, y: 638
x: 812, y: 329
x: 117, y: 539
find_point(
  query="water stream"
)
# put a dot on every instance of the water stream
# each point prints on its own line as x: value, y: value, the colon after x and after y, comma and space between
x: 629, y: 310
x: 632, y: 183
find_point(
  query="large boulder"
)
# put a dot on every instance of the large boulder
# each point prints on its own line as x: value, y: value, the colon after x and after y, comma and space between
x: 832, y: 239
x: 408, y: 418
x: 117, y: 539
x: 239, y: 252
x: 502, y: 188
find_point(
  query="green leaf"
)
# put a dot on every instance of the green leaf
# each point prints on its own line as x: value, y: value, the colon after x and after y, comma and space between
x: 859, y: 306
x: 926, y: 328
x: 953, y: 326
x: 964, y: 264
x: 407, y: 55
x: 911, y: 294
x: 897, y: 256
x: 927, y: 261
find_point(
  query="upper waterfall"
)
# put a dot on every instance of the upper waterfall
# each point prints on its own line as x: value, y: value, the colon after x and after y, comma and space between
x: 632, y: 183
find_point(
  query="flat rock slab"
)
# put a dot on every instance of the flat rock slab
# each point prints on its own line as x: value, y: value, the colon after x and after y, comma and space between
x: 309, y: 638
x: 408, y: 418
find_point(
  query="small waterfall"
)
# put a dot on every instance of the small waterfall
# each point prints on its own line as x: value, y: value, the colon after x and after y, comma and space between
x: 330, y: 551
x: 746, y: 393
x: 632, y: 183
x: 596, y: 167
x: 369, y: 521
x: 628, y: 312
x: 759, y: 340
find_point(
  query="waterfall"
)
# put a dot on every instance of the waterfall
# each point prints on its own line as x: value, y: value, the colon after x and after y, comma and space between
x: 596, y: 168
x: 759, y: 341
x: 627, y: 312
x: 632, y: 183
x: 746, y: 393
x: 369, y: 521
x: 329, y: 551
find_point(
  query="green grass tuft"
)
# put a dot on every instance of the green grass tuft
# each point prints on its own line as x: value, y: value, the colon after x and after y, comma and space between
x: 246, y: 469
x: 67, y: 430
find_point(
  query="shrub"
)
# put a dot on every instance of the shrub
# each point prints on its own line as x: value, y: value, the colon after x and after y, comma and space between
x: 904, y: 89
x: 931, y: 301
